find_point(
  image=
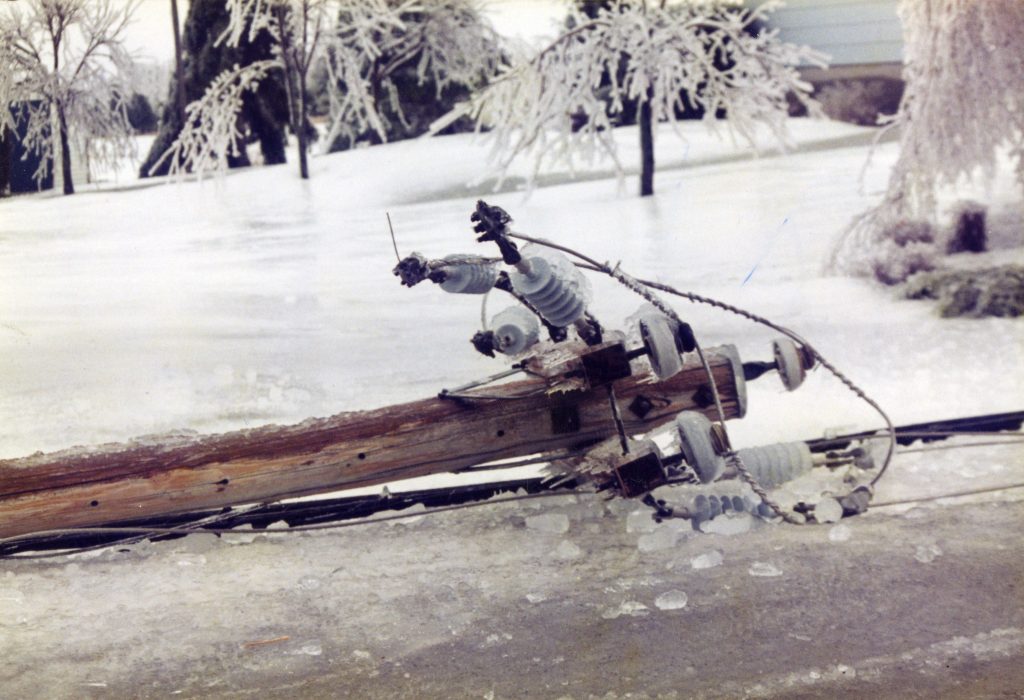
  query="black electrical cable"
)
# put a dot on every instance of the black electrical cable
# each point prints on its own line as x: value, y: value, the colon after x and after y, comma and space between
x: 146, y: 532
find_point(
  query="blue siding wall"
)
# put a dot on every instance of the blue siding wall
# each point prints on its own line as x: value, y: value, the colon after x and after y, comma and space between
x: 849, y: 31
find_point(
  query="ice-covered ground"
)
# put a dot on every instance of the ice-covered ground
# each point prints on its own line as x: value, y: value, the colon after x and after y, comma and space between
x: 259, y: 298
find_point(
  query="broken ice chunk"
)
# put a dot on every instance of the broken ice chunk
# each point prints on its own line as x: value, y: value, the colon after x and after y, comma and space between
x: 927, y: 553
x: 828, y: 510
x: 640, y: 521
x: 241, y: 534
x: 728, y: 524
x: 763, y: 568
x: 839, y: 533
x: 410, y: 516
x: 550, y: 523
x: 630, y: 608
x: 309, y: 583
x: 666, y: 536
x: 671, y: 600
x: 707, y: 560
x: 196, y: 543
x: 568, y: 550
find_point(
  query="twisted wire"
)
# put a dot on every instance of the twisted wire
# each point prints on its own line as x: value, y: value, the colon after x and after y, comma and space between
x: 642, y: 287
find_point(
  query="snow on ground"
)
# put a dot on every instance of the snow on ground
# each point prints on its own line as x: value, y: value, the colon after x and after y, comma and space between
x: 259, y: 298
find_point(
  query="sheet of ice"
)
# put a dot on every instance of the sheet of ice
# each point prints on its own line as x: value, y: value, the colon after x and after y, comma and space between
x: 260, y: 298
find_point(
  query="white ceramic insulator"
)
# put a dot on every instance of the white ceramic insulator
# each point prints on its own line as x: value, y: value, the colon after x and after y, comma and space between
x: 515, y: 329
x: 463, y: 277
x: 776, y: 464
x: 552, y: 289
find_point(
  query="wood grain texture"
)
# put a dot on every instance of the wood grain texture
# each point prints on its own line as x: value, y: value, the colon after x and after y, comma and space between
x: 111, y: 483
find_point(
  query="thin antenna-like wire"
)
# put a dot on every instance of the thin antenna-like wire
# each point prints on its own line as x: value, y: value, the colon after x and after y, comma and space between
x: 393, y: 242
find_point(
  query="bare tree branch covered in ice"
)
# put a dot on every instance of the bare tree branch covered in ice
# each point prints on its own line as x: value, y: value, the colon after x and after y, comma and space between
x: 963, y: 109
x: 669, y: 57
x: 66, y: 76
x: 350, y: 38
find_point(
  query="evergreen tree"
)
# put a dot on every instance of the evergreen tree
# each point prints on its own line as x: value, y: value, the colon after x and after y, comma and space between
x: 141, y: 115
x: 443, y: 43
x: 264, y: 110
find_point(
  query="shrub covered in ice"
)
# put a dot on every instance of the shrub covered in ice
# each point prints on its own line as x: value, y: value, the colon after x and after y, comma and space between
x: 892, y: 264
x: 859, y: 101
x: 994, y: 291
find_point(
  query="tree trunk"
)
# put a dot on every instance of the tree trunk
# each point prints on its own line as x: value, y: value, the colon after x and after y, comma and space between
x: 65, y: 151
x: 646, y: 119
x: 6, y: 160
x: 301, y: 127
x: 179, y: 76
x: 294, y: 82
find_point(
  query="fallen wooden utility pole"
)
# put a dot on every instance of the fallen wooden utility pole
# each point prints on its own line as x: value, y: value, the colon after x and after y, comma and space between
x: 113, y: 483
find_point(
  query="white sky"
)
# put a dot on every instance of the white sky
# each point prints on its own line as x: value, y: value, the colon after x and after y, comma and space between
x: 151, y: 38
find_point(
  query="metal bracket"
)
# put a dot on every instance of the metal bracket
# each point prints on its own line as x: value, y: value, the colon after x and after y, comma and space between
x: 565, y: 418
x: 641, y: 475
x: 603, y: 365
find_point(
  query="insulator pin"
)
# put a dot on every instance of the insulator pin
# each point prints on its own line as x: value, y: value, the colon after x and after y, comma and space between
x: 776, y: 464
x: 555, y: 290
x: 468, y: 277
x: 515, y: 330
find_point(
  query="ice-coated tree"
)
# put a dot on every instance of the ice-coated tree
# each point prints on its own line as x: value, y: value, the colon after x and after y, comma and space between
x: 418, y: 69
x: 667, y: 57
x: 65, y: 77
x: 347, y: 37
x: 963, y: 109
x: 263, y: 112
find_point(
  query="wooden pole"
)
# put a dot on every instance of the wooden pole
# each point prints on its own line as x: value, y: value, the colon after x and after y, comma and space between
x: 119, y: 482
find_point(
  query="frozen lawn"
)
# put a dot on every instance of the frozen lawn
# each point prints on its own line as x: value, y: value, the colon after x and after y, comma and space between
x: 258, y: 298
